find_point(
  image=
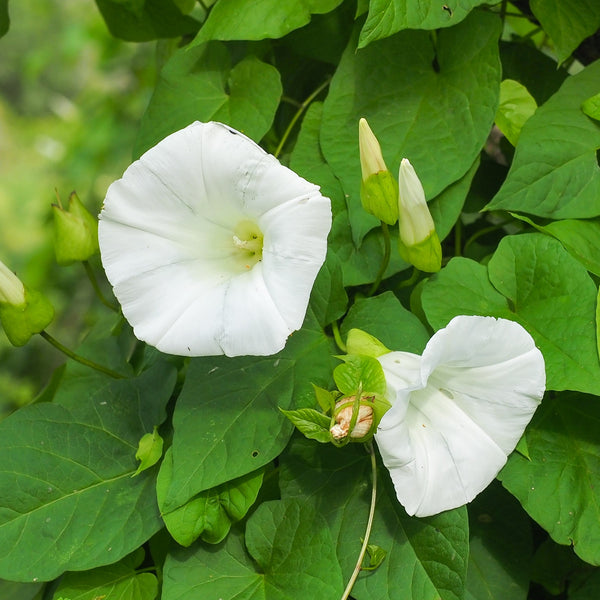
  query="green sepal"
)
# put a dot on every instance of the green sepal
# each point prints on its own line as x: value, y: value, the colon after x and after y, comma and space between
x: 361, y: 342
x: 379, y: 196
x: 150, y: 448
x: 75, y: 232
x: 359, y: 372
x: 425, y: 256
x: 311, y: 423
x: 21, y: 322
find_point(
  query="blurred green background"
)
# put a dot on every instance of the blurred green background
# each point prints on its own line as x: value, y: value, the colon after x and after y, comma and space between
x: 71, y: 97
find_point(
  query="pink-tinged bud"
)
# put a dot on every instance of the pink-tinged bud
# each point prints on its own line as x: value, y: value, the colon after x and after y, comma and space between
x: 343, y: 418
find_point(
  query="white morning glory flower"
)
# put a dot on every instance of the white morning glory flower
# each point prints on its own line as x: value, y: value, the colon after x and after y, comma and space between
x: 457, y: 411
x: 211, y: 245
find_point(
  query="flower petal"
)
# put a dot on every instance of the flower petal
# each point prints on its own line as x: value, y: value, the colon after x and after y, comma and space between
x: 446, y: 438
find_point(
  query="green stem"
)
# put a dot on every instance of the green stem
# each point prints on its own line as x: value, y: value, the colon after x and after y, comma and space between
x: 80, y: 359
x: 94, y: 282
x: 458, y: 230
x: 387, y: 252
x: 482, y: 232
x: 363, y: 549
x: 298, y: 114
x: 337, y: 336
x: 412, y: 279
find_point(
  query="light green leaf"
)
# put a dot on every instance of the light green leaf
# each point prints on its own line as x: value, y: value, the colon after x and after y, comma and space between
x: 361, y: 342
x: 365, y: 372
x: 413, y: 108
x: 426, y: 558
x: 119, y: 581
x: 580, y: 238
x: 149, y: 451
x: 325, y: 398
x: 292, y: 557
x: 515, y: 108
x: 530, y: 279
x: 567, y: 22
x: 145, y: 20
x: 199, y: 84
x: 227, y: 419
x: 500, y: 547
x: 591, y: 107
x: 374, y: 315
x: 210, y: 514
x: 386, y: 17
x: 311, y: 423
x: 69, y: 501
x: 555, y: 171
x: 560, y: 485
x: 243, y: 20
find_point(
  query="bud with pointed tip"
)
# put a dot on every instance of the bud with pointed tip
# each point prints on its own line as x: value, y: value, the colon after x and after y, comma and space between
x: 378, y: 190
x: 75, y: 232
x: 23, y: 312
x: 419, y: 243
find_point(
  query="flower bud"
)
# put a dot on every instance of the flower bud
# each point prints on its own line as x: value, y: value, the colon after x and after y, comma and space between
x: 75, y: 232
x: 23, y: 312
x: 378, y: 190
x: 419, y: 243
x: 343, y: 418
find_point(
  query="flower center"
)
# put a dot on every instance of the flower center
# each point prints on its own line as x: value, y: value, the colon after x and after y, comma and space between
x: 248, y: 240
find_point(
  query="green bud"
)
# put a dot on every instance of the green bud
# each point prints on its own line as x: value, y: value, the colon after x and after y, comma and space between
x: 21, y: 321
x: 419, y: 243
x: 75, y: 232
x: 378, y: 190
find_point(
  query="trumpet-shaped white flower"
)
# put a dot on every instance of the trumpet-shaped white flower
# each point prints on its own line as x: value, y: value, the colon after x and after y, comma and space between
x: 457, y: 411
x: 211, y: 245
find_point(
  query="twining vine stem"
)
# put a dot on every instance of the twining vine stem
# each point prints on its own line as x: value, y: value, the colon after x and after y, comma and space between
x: 80, y: 359
x: 94, y: 282
x: 298, y: 114
x: 363, y: 550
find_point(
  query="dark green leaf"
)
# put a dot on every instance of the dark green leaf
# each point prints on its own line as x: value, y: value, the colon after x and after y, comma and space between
x: 199, y: 84
x: 328, y: 297
x: 386, y: 17
x: 555, y: 171
x: 567, y: 22
x: 227, y: 419
x: 559, y: 486
x: 210, y: 514
x: 69, y: 501
x: 293, y: 558
x: 11, y: 590
x: 144, y: 20
x: 4, y: 18
x: 414, y: 107
x: 243, y: 20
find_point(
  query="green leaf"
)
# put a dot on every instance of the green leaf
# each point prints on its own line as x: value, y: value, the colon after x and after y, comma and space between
x: 360, y: 371
x: 227, y: 421
x: 328, y: 297
x: 386, y: 17
x: 376, y: 556
x: 530, y: 279
x: 12, y: 590
x: 69, y: 501
x: 500, y: 547
x: 243, y: 20
x: 210, y: 514
x: 567, y: 22
x: 325, y: 398
x: 591, y: 107
x: 555, y: 171
x: 145, y: 20
x: 374, y: 316
x: 311, y: 423
x: 515, y: 108
x: 149, y: 451
x: 291, y: 556
x: 412, y: 107
x: 580, y: 238
x: 4, y: 18
x: 361, y: 342
x: 119, y: 580
x: 560, y: 485
x: 199, y: 84
x: 426, y: 558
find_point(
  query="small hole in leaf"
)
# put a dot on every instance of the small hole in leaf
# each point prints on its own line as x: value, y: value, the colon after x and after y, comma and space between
x: 255, y: 454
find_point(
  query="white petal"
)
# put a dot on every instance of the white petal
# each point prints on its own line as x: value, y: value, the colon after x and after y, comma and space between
x: 295, y: 246
x: 446, y: 438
